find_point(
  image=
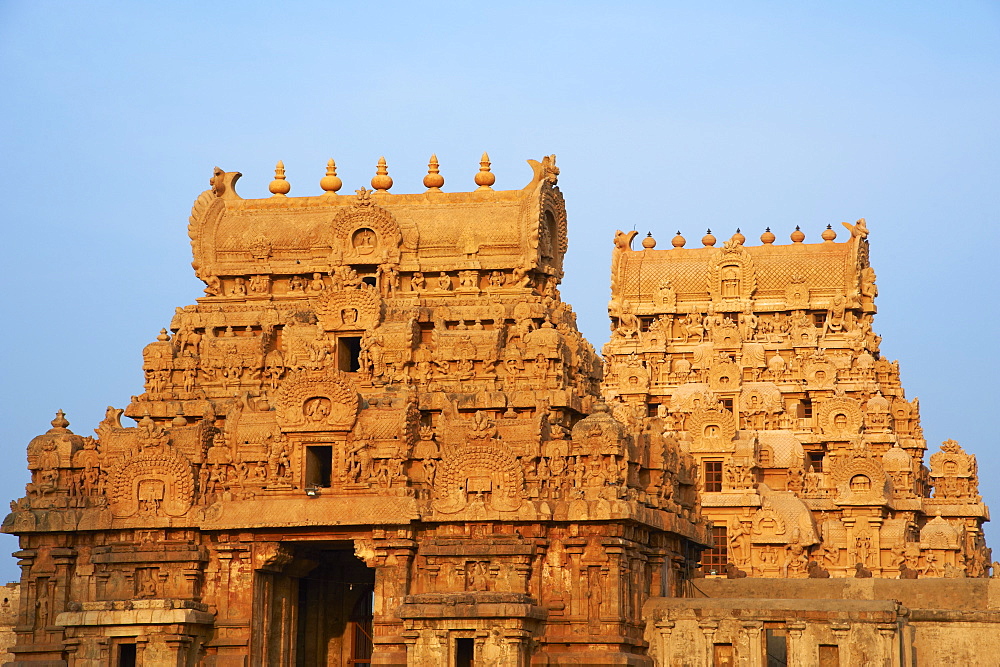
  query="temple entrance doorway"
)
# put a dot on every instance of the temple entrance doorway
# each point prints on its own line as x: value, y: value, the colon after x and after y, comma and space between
x: 317, y: 611
x: 335, y: 611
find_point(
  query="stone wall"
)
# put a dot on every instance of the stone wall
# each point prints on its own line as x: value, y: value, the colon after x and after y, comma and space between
x: 938, y: 594
x: 828, y: 622
x: 10, y: 596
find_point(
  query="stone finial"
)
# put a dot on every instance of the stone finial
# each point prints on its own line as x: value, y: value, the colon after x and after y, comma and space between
x: 678, y: 241
x: 163, y: 336
x: 767, y: 238
x: 798, y: 236
x: 381, y: 181
x: 738, y: 237
x: 708, y: 240
x: 60, y: 421
x: 649, y: 242
x: 279, y: 187
x: 433, y: 180
x: 331, y: 183
x: 484, y: 179
x: 828, y: 234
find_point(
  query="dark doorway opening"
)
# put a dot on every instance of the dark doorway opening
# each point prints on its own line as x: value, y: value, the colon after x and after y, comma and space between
x: 465, y: 652
x: 335, y: 609
x: 127, y: 655
x: 313, y: 605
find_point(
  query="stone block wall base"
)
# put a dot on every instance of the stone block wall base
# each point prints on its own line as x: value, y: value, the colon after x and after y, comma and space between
x: 226, y: 661
x: 394, y: 658
x: 591, y: 658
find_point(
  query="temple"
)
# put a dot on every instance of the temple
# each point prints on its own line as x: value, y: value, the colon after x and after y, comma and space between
x: 380, y: 439
x: 762, y: 363
x: 377, y: 438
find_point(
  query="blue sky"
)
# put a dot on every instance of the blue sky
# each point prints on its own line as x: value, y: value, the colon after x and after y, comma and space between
x: 664, y: 116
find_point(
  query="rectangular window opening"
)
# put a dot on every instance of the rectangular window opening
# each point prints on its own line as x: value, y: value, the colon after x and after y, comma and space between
x: 807, y: 408
x: 713, y: 476
x: 727, y: 403
x: 465, y: 652
x: 816, y: 460
x: 349, y: 354
x: 714, y: 560
x: 319, y: 465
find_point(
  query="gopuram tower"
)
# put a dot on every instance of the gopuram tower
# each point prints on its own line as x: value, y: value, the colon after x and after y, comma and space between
x: 378, y: 439
x: 761, y: 362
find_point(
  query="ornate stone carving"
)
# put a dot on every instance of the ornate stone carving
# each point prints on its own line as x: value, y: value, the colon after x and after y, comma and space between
x: 316, y: 401
x: 840, y: 417
x: 481, y: 472
x: 366, y: 233
x: 732, y: 277
x: 348, y: 310
x: 154, y: 481
x: 954, y: 473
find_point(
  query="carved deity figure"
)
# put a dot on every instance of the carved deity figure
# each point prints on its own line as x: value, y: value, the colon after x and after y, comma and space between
x: 260, y: 284
x: 87, y: 461
x: 317, y: 284
x: 868, y: 288
x: 628, y: 323
x: 468, y: 279
x: 693, y: 327
x: 372, y: 356
x: 739, y: 542
x: 748, y: 323
x: 359, y: 462
x: 835, y: 316
x: 48, y: 467
x: 213, y: 286
x: 388, y: 279
x: 278, y: 461
x: 316, y: 409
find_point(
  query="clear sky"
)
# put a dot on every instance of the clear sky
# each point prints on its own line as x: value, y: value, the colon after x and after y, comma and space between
x: 665, y: 116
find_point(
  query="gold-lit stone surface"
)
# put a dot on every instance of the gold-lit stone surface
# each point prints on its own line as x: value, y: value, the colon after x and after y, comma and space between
x: 379, y: 438
x: 761, y: 362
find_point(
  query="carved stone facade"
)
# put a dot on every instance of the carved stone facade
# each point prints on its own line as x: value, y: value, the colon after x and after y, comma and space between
x: 761, y: 363
x: 377, y: 437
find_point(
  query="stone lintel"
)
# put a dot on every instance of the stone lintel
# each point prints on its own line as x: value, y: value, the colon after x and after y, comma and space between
x: 135, y: 617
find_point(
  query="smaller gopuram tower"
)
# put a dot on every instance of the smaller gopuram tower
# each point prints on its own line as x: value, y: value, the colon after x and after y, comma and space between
x: 377, y: 438
x: 761, y: 362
